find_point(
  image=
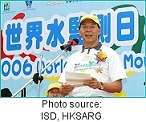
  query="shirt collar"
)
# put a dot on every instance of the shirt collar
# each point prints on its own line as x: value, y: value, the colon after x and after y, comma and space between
x: 97, y: 47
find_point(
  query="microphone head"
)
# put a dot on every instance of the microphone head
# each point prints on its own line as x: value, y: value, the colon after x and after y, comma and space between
x: 70, y: 43
x: 75, y: 42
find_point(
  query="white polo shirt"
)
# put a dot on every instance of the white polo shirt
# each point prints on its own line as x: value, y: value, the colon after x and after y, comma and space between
x: 108, y: 71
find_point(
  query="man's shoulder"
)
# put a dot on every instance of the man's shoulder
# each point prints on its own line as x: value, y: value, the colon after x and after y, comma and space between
x: 109, y: 50
x: 106, y: 48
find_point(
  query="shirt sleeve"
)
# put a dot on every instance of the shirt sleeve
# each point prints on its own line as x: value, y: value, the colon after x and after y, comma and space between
x: 116, y: 69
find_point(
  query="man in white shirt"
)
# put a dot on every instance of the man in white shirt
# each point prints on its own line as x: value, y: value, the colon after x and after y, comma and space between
x: 101, y: 62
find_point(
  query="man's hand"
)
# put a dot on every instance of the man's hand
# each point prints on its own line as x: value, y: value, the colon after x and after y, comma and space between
x: 93, y: 83
x: 111, y: 87
x: 66, y: 89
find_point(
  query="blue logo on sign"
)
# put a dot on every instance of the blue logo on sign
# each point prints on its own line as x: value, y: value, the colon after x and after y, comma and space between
x: 28, y: 4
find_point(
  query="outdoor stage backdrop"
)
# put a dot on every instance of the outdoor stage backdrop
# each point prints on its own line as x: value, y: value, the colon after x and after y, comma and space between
x: 31, y: 29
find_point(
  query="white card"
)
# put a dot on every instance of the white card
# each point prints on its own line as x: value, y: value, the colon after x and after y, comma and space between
x: 76, y: 79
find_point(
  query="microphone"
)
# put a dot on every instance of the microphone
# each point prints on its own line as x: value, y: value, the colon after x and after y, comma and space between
x: 5, y: 92
x: 69, y: 44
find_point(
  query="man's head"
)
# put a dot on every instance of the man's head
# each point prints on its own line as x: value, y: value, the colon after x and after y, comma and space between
x: 54, y: 90
x: 91, y: 17
x: 89, y: 28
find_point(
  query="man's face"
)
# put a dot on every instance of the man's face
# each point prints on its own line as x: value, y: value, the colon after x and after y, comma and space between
x: 89, y: 31
x: 54, y: 92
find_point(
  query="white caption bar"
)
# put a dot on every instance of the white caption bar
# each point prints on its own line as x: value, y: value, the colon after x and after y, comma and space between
x: 72, y: 109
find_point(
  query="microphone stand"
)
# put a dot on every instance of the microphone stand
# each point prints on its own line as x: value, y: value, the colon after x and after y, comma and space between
x: 39, y: 81
x: 41, y: 71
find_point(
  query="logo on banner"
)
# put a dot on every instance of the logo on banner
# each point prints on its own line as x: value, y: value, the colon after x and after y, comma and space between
x: 28, y: 4
x: 7, y: 6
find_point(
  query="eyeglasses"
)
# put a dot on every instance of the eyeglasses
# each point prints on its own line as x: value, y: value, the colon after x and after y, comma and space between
x: 91, y: 27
